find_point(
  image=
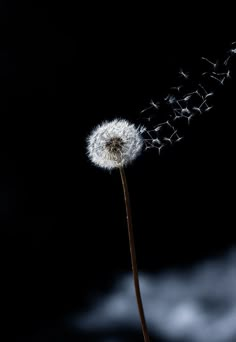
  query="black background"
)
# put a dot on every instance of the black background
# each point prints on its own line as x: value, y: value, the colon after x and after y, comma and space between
x: 63, y: 69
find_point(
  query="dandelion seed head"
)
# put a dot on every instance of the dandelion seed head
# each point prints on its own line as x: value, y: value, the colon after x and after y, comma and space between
x: 114, y: 144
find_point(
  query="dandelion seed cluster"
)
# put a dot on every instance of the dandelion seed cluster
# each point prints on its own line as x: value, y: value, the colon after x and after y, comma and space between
x: 114, y: 144
x: 162, y: 120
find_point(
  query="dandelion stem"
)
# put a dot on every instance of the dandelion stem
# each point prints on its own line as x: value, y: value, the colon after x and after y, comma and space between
x: 133, y: 255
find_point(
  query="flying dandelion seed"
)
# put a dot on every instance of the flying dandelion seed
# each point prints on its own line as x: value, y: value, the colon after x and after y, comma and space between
x: 189, y: 100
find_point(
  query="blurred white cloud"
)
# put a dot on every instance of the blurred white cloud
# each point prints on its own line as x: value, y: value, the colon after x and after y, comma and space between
x: 196, y: 305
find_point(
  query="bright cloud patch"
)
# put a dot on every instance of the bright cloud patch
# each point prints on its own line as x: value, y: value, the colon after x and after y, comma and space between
x: 198, y: 305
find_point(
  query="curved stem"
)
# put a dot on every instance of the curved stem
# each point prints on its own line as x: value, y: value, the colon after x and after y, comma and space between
x: 133, y: 255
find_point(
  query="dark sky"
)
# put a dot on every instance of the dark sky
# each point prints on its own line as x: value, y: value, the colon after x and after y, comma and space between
x: 64, y: 69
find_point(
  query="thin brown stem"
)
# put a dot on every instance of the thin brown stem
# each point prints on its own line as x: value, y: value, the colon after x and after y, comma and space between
x: 133, y: 255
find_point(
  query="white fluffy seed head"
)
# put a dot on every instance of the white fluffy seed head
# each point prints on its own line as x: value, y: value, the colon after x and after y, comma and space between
x: 114, y: 144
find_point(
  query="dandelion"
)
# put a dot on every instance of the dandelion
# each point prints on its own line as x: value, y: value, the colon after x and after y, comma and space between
x: 113, y: 145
